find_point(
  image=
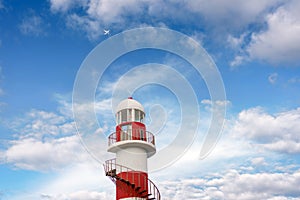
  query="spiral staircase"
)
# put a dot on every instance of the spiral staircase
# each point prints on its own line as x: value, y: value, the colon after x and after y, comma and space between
x: 133, y: 182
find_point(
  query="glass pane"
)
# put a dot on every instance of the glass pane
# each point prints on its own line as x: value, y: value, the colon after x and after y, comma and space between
x: 127, y: 132
x: 142, y: 116
x: 124, y: 115
x: 141, y: 134
x: 118, y: 119
x: 129, y: 115
x: 137, y: 115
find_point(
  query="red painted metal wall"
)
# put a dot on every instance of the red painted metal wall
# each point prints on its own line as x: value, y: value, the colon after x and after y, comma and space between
x: 126, y: 190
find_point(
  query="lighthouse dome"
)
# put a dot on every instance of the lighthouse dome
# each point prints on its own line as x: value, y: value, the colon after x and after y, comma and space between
x: 129, y: 104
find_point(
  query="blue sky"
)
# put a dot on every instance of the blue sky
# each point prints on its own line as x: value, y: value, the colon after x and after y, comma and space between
x: 255, y: 46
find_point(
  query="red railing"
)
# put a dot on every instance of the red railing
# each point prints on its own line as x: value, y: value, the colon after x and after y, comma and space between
x: 133, y: 135
x: 137, y: 179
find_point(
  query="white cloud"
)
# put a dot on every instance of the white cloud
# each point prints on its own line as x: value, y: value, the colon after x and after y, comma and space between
x: 236, y: 42
x: 80, y: 181
x: 275, y: 39
x: 91, y: 26
x: 234, y: 185
x: 87, y: 175
x: 32, y: 25
x: 273, y: 78
x: 32, y: 154
x: 276, y: 43
x: 258, y: 161
x: 237, y: 46
x: 225, y: 16
x: 278, y: 132
x: 48, y: 140
x: 64, y: 5
x: 80, y: 195
x: 238, y: 60
x: 217, y: 103
x: 99, y: 14
x: 114, y: 11
x: 286, y: 146
x: 40, y: 124
x: 280, y: 42
x: 230, y: 184
x: 43, y: 141
x: 234, y: 12
x: 103, y: 110
x: 104, y: 10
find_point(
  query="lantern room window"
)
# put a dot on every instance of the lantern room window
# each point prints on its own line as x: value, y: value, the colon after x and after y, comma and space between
x: 130, y: 115
x: 124, y: 115
x: 139, y: 115
x: 118, y: 118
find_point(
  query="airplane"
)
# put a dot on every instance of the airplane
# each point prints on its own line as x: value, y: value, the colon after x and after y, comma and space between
x: 106, y: 32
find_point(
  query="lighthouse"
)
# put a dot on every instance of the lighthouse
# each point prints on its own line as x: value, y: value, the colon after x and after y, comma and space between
x: 133, y: 145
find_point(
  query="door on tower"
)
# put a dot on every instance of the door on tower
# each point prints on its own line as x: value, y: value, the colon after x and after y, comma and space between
x: 126, y: 132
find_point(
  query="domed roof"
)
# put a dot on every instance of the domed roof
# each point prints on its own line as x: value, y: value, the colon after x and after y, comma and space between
x: 129, y: 103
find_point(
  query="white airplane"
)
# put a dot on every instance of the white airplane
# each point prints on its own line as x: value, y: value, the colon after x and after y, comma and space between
x: 106, y: 32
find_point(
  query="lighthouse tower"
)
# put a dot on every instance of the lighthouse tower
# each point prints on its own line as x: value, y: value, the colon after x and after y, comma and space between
x: 133, y: 145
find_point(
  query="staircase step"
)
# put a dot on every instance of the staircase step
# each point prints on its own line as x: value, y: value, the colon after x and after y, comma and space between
x: 133, y: 187
x: 147, y: 195
x: 137, y: 188
x: 124, y: 180
x: 141, y: 192
x: 111, y: 173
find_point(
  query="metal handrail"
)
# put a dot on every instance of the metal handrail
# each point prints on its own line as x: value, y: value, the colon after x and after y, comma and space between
x: 112, y: 138
x: 112, y: 168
